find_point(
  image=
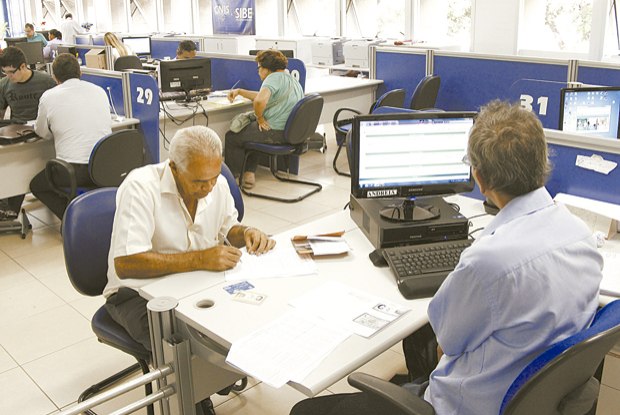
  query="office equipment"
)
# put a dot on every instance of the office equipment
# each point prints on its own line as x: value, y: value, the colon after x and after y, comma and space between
x: 541, y: 386
x: 420, y: 269
x: 185, y: 75
x: 86, y: 230
x: 357, y: 52
x: 140, y: 45
x: 123, y: 63
x: 66, y: 49
x: 592, y: 111
x: 11, y: 41
x: 32, y: 50
x: 425, y: 94
x: 233, y: 44
x: 300, y: 126
x: 193, y: 95
x: 289, y: 53
x: 327, y: 51
x: 300, y: 45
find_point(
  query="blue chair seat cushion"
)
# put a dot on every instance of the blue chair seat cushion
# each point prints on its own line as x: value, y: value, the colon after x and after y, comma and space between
x: 275, y: 149
x: 110, y: 332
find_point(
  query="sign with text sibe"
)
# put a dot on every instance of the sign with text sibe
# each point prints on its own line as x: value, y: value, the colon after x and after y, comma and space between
x: 234, y: 17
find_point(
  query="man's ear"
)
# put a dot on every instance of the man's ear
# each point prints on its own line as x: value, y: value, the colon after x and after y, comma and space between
x: 479, y: 180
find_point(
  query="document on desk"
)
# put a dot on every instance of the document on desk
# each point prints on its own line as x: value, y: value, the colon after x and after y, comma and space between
x: 287, y: 349
x: 361, y: 313
x: 281, y: 261
x: 610, y: 285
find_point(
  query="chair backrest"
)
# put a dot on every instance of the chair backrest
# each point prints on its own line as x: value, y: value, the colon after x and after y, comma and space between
x: 304, y: 119
x: 425, y: 94
x: 114, y: 156
x: 562, y: 368
x: 393, y: 98
x: 234, y: 190
x: 127, y: 62
x: 86, y: 231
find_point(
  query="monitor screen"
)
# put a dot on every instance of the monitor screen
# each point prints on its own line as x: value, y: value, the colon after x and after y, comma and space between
x: 289, y: 53
x: 11, y: 41
x: 33, y: 51
x: 404, y: 155
x: 141, y: 46
x: 593, y: 111
x: 185, y: 75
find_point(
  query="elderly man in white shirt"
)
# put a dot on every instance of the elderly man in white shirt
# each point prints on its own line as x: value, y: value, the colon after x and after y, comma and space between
x: 76, y: 114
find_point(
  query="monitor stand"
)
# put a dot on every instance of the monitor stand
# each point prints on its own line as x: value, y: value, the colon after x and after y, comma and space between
x: 410, y: 211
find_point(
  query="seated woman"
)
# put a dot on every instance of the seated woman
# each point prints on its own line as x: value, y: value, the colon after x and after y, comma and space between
x: 118, y: 48
x: 278, y: 95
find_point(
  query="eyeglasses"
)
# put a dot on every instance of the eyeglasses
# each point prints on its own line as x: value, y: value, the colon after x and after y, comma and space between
x: 465, y: 160
x: 10, y: 71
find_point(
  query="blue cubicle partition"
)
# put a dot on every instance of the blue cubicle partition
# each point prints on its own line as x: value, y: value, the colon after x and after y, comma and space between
x: 113, y: 85
x: 83, y: 40
x: 227, y: 71
x: 162, y: 48
x: 399, y: 68
x: 144, y: 103
x: 98, y: 40
x: 598, y: 73
x: 540, y: 96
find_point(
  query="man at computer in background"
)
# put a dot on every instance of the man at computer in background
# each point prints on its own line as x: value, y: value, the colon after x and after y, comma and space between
x: 20, y: 89
x: 49, y: 51
x: 186, y: 49
x: 530, y: 279
x: 171, y: 217
x: 76, y: 114
x: 33, y: 36
x: 69, y: 28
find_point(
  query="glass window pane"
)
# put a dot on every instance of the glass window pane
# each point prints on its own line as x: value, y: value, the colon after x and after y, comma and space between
x: 205, y: 16
x: 444, y: 22
x: 377, y: 18
x: 143, y: 16
x: 177, y: 16
x: 316, y: 17
x: 118, y: 16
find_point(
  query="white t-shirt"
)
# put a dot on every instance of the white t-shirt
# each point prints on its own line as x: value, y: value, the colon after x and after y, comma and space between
x: 69, y: 28
x: 76, y: 114
x: 151, y: 216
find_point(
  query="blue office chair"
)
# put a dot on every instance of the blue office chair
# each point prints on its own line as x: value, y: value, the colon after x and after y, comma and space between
x: 541, y: 388
x: 393, y: 98
x: 300, y: 126
x: 234, y: 190
x: 425, y: 93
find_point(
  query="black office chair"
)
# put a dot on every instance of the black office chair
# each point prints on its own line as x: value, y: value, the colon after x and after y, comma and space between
x: 393, y: 98
x: 112, y: 158
x: 123, y: 63
x: 425, y: 93
x: 300, y: 126
x: 544, y: 386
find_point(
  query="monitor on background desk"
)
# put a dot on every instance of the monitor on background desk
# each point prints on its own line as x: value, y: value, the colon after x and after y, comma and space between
x: 592, y: 111
x: 185, y: 75
x: 33, y: 51
x: 141, y: 46
x: 402, y: 156
x: 11, y: 41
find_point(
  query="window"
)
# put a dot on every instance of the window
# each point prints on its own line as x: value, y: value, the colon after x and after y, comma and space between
x: 376, y: 18
x: 443, y: 22
x: 143, y: 16
x: 177, y: 16
x: 205, y: 17
x: 312, y: 17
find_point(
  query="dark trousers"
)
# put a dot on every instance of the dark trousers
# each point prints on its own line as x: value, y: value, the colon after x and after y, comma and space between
x: 128, y: 309
x: 234, y: 149
x: 43, y: 190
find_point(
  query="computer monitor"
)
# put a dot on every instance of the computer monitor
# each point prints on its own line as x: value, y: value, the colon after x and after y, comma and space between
x: 11, y: 41
x: 33, y: 51
x: 141, y: 46
x: 593, y: 111
x: 185, y: 75
x: 66, y: 49
x: 289, y: 53
x: 407, y: 155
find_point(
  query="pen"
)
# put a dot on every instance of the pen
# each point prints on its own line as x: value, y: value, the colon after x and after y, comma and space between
x: 236, y: 83
x: 227, y: 242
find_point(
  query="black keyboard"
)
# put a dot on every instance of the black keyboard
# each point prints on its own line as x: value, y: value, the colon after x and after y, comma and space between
x: 420, y: 269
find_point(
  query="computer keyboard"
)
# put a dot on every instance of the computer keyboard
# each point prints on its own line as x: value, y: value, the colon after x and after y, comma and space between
x: 420, y: 269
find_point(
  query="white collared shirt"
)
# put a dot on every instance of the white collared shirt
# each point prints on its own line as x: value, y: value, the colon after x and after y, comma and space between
x: 151, y: 216
x: 76, y: 114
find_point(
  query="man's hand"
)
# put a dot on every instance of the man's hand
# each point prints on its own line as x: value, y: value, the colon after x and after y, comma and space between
x: 220, y: 258
x: 257, y: 242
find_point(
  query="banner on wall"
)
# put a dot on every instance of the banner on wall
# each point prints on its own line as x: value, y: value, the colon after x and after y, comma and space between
x: 234, y: 17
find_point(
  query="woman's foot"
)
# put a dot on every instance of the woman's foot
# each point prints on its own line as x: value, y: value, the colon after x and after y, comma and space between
x: 249, y: 180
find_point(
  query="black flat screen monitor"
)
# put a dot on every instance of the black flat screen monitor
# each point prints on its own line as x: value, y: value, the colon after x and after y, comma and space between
x: 141, y: 46
x: 11, y: 41
x: 408, y: 155
x: 185, y: 75
x: 289, y: 53
x: 33, y: 51
x: 593, y: 111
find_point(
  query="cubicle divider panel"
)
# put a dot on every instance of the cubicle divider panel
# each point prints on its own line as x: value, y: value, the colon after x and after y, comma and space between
x: 470, y: 81
x: 227, y: 70
x: 83, y: 40
x: 598, y: 73
x: 542, y: 97
x: 98, y: 40
x: 145, y: 107
x: 399, y: 69
x: 112, y: 84
x: 166, y: 48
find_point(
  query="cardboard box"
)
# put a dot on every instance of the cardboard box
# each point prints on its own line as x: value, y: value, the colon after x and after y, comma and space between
x: 95, y: 58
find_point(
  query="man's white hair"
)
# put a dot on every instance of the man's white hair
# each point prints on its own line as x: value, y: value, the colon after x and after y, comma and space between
x: 192, y: 142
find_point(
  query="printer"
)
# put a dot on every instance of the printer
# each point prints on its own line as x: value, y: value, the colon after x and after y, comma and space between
x: 357, y: 52
x: 327, y: 51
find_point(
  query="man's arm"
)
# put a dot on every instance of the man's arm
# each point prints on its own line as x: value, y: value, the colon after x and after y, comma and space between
x: 41, y: 127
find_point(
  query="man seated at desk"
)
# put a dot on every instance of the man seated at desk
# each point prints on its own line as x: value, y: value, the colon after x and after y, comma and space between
x: 186, y: 49
x: 20, y: 89
x: 530, y: 279
x: 32, y: 36
x: 171, y: 217
x: 76, y: 114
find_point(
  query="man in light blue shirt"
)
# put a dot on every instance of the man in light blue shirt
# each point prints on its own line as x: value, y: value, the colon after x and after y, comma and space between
x: 531, y: 278
x: 32, y: 36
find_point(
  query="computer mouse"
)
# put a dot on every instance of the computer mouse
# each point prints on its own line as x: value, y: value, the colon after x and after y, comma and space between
x: 377, y: 259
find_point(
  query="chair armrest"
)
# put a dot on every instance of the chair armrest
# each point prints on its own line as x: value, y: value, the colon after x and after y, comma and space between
x: 61, y: 167
x: 390, y: 396
x: 337, y: 123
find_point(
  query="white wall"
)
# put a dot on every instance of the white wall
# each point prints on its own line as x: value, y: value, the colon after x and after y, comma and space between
x: 495, y: 25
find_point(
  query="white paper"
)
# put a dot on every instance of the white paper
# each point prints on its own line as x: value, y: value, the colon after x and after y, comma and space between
x: 361, y: 313
x: 287, y: 349
x: 281, y: 261
x: 595, y: 163
x: 328, y: 246
x: 610, y: 285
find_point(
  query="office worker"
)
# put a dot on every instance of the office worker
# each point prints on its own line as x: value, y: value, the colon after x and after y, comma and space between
x: 49, y: 51
x: 70, y: 28
x: 530, y: 279
x: 272, y: 104
x: 32, y: 36
x: 20, y: 90
x: 118, y: 48
x: 76, y: 114
x: 186, y: 49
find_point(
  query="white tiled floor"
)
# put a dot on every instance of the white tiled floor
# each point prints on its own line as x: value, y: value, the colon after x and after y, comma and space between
x: 48, y: 353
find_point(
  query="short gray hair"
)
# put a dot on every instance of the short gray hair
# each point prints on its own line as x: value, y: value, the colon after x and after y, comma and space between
x: 508, y: 149
x: 192, y: 142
